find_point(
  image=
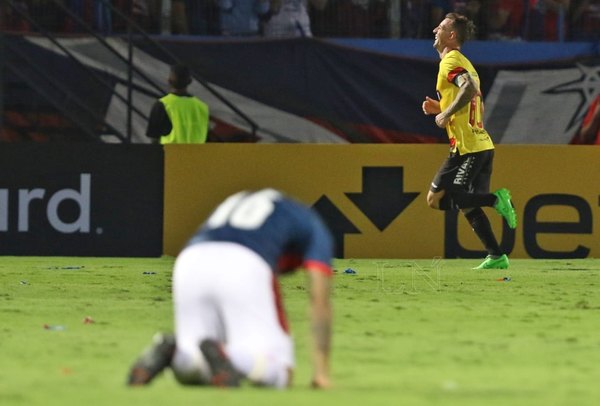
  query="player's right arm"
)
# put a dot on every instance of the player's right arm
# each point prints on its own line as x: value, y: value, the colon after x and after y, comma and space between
x: 431, y: 106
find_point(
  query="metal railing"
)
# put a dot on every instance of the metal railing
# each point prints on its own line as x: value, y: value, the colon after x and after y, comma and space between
x: 133, y: 32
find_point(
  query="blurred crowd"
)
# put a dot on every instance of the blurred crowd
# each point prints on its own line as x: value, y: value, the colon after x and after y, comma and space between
x: 529, y: 20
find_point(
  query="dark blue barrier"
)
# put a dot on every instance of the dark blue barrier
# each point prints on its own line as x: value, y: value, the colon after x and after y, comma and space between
x: 321, y: 91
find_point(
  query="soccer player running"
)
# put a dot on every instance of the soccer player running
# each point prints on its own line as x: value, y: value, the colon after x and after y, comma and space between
x: 229, y: 319
x: 463, y: 180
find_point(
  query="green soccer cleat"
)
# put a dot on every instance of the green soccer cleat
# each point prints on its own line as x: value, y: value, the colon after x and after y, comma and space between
x: 494, y: 263
x: 505, y: 208
x: 153, y: 360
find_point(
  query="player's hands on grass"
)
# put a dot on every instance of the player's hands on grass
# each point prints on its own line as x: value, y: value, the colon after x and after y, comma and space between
x: 431, y: 106
x: 320, y: 382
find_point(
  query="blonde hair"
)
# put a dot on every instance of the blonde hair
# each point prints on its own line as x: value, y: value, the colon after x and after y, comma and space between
x: 464, y: 28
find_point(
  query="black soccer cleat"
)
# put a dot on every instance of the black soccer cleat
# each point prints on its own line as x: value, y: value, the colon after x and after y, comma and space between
x: 223, y: 372
x: 153, y: 360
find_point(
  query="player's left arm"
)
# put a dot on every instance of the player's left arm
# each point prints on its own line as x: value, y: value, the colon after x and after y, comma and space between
x: 321, y: 324
x: 317, y: 255
x: 467, y: 89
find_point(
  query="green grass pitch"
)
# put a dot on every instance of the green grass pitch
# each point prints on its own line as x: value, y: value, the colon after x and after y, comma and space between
x: 407, y: 332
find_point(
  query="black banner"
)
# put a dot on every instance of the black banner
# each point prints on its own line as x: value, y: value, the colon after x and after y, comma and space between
x: 81, y: 199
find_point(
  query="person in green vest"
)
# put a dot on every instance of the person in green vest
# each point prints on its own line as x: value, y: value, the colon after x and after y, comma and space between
x: 179, y: 117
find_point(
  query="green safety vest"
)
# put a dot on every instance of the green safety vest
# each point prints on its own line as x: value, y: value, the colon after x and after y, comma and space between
x: 189, y: 118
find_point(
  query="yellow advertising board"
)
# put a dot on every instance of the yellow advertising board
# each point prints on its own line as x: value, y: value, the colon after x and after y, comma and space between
x: 373, y: 195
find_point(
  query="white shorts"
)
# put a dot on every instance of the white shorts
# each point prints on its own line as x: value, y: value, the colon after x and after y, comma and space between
x: 227, y: 292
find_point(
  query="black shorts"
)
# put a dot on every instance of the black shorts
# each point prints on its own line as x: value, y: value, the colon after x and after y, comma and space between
x: 470, y: 173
